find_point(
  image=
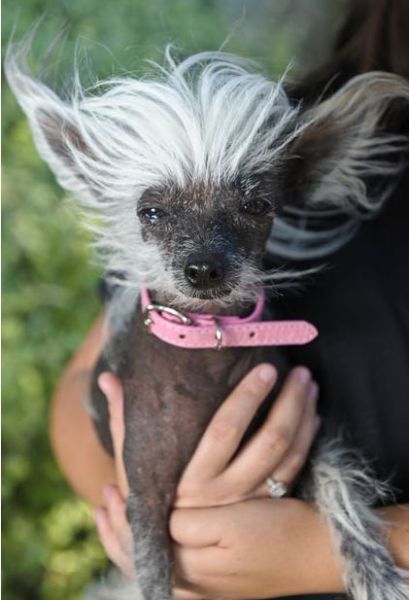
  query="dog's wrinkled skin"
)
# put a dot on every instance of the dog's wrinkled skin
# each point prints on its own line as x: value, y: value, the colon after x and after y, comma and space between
x: 210, y: 220
x: 194, y: 174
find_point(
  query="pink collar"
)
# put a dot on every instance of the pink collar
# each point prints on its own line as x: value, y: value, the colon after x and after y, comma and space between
x: 193, y: 330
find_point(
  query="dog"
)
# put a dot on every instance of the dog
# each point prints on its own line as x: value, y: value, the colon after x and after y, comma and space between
x: 196, y: 174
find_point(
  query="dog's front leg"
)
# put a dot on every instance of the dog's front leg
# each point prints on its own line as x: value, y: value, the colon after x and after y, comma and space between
x: 344, y: 491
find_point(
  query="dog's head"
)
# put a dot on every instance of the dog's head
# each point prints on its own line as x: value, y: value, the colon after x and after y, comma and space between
x: 190, y: 171
x: 211, y: 237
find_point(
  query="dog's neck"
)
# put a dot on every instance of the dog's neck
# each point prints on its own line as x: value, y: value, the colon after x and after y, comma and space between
x: 207, y: 330
x: 209, y: 307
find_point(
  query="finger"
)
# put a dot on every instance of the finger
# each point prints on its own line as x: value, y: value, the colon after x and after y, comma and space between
x: 267, y: 448
x: 196, y: 527
x: 291, y: 465
x: 182, y: 591
x: 116, y: 508
x: 198, y: 568
x: 225, y: 431
x: 111, y: 544
x: 106, y: 534
x: 112, y: 388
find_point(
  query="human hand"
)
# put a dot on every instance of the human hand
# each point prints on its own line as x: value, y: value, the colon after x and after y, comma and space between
x: 253, y: 549
x: 111, y: 522
x: 261, y: 548
x: 217, y: 474
x: 212, y: 477
x: 227, y: 542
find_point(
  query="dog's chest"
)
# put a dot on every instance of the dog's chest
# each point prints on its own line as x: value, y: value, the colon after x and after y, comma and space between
x: 171, y: 393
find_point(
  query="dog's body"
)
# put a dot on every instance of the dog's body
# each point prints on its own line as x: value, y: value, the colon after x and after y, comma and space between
x: 194, y: 175
x: 170, y: 395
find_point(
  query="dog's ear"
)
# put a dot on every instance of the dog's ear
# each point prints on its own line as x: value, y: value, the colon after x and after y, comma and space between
x: 351, y: 145
x: 59, y: 130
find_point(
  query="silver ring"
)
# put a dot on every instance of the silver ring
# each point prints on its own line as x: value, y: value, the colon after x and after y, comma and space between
x: 160, y: 308
x: 276, y: 489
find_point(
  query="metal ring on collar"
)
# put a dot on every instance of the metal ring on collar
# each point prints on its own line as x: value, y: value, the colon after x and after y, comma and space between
x: 218, y: 335
x: 160, y: 308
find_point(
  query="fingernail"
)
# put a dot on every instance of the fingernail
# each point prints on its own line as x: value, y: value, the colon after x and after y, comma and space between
x: 302, y: 375
x: 312, y: 392
x: 267, y: 373
x: 98, y: 514
x: 102, y: 382
x: 107, y: 491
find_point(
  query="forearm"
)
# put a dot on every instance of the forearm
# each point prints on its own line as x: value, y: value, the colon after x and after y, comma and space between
x: 264, y: 549
x: 77, y: 449
x: 396, y: 519
x: 320, y: 555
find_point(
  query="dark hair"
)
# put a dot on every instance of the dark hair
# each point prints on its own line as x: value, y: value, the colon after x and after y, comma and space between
x: 375, y: 36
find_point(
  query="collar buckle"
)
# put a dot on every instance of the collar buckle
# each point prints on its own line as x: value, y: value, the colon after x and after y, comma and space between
x: 161, y: 308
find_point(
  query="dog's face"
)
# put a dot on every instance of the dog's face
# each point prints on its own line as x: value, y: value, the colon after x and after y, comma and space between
x: 211, y: 237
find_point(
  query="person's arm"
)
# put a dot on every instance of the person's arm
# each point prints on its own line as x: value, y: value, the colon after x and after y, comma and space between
x: 256, y: 548
x: 264, y: 548
x: 78, y: 451
x: 89, y: 470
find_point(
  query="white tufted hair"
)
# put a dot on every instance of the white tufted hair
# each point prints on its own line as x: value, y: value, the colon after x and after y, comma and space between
x: 208, y: 118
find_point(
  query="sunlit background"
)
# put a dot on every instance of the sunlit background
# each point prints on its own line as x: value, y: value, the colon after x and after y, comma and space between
x: 50, y: 550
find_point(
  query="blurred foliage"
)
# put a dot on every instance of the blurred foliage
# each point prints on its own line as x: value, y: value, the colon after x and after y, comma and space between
x: 50, y: 550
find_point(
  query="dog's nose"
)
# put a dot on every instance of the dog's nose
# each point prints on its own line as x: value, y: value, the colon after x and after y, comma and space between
x: 205, y: 271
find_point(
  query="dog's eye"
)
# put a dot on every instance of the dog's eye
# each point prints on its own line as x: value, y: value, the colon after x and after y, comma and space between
x: 257, y: 207
x: 151, y: 215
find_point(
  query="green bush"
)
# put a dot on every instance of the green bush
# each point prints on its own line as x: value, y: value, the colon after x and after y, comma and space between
x: 50, y: 550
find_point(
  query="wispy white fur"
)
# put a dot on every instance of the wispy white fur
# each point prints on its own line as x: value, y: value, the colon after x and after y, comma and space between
x: 113, y: 586
x: 208, y: 119
x: 341, y: 199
